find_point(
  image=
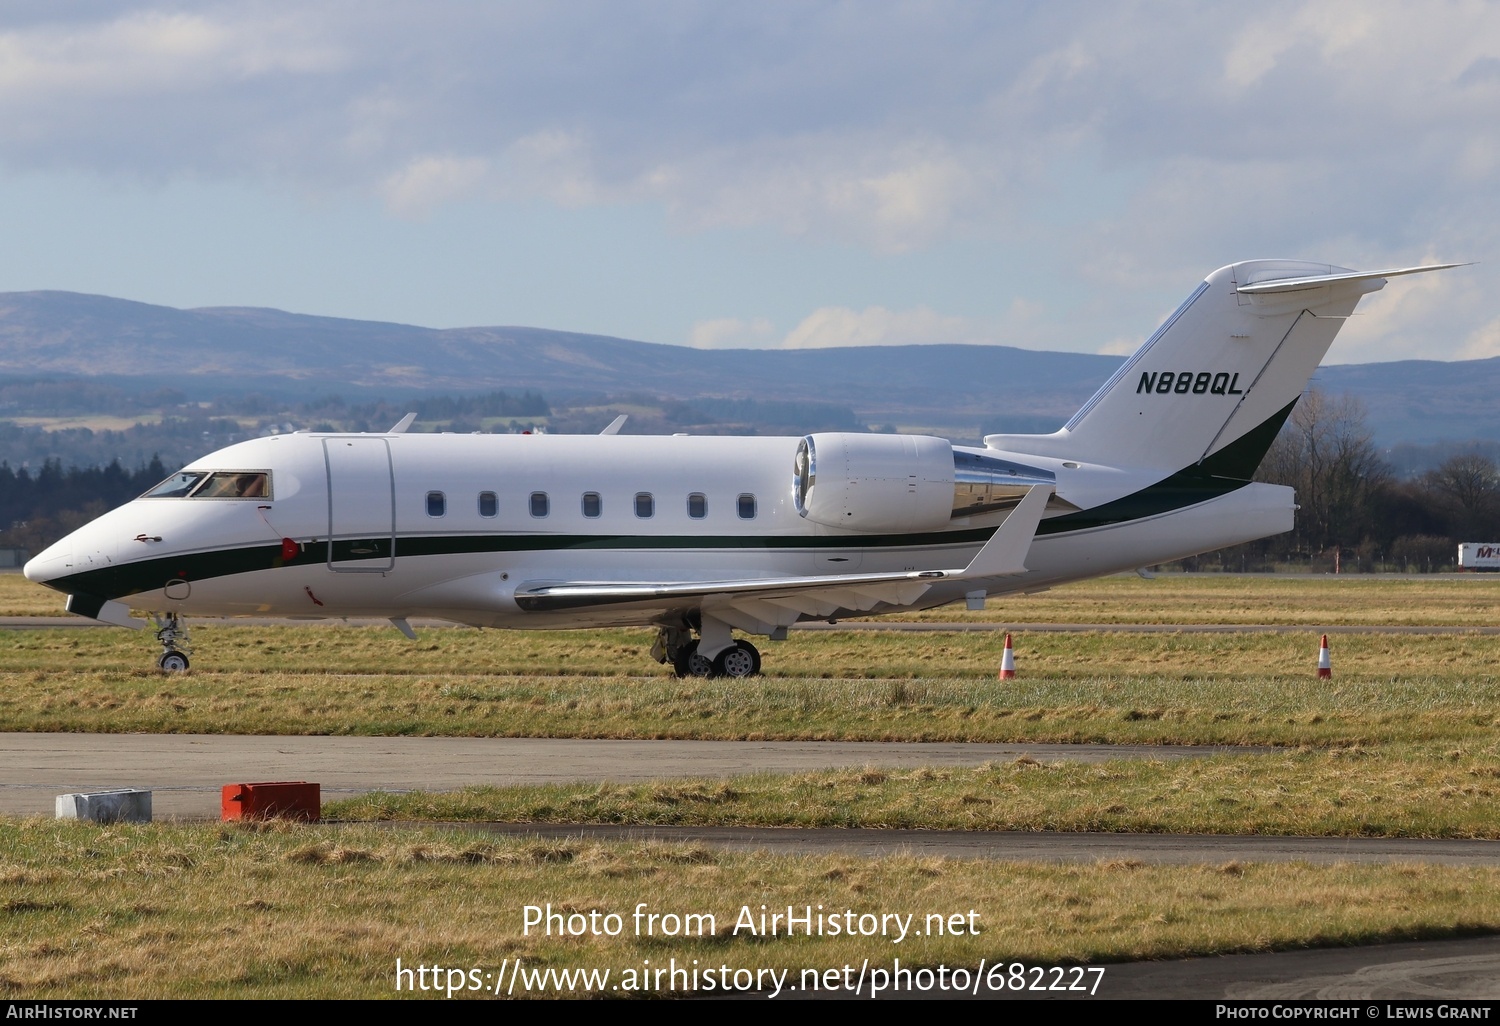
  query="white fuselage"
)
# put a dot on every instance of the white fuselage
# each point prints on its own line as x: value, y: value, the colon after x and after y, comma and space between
x: 449, y: 526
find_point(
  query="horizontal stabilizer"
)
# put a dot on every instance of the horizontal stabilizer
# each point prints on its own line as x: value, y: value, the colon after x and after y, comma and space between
x: 1275, y: 285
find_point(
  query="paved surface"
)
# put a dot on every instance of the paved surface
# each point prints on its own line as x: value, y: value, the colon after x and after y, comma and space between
x: 1463, y: 969
x: 1426, y: 973
x: 186, y: 771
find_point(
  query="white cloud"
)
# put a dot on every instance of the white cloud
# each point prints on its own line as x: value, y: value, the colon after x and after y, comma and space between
x: 1123, y: 346
x: 732, y: 333
x: 842, y: 326
x: 1412, y: 318
x: 556, y: 164
x: 1483, y: 343
x: 151, y: 52
x: 876, y: 326
x: 1129, y: 148
x: 428, y: 182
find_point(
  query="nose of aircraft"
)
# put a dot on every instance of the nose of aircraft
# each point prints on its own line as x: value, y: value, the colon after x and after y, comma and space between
x: 51, y: 563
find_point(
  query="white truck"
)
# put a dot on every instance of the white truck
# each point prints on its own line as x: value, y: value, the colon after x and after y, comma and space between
x: 1479, y: 556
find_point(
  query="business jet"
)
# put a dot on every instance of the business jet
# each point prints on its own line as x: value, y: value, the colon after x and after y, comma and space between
x: 702, y: 536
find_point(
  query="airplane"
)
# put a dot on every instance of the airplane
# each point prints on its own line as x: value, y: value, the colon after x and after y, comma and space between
x: 700, y: 536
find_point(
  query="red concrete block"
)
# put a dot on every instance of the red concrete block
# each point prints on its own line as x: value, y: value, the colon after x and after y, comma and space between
x: 287, y: 799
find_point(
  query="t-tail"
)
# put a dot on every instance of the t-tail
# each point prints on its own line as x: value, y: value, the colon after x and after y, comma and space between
x: 1212, y: 387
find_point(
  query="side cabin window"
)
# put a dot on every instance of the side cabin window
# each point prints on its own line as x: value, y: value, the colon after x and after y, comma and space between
x: 592, y: 504
x: 697, y: 505
x: 746, y: 506
x: 437, y: 504
x: 219, y: 484
x: 489, y: 504
x: 645, y: 505
x: 540, y: 506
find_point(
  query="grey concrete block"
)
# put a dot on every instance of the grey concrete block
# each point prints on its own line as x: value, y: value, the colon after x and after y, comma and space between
x: 127, y: 805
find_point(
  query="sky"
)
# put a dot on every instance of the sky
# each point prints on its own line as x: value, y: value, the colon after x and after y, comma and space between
x: 1045, y: 175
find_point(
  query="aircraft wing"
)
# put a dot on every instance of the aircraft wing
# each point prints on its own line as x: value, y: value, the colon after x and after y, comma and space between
x: 784, y: 600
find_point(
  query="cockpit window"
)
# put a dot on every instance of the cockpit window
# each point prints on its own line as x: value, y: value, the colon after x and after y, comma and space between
x: 176, y: 486
x: 233, y: 485
x: 223, y: 484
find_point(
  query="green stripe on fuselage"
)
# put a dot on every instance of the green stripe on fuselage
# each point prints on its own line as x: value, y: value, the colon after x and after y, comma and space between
x: 1225, y: 471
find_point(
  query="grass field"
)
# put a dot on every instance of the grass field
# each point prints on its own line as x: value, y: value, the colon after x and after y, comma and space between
x: 1404, y: 791
x: 1141, y: 688
x: 1402, y: 742
x: 1345, y: 600
x: 296, y: 912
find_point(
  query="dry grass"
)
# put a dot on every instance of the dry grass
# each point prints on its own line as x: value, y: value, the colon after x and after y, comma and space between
x: 1347, y: 600
x: 1166, y: 688
x: 309, y: 912
x: 19, y: 597
x: 1400, y: 791
x: 1402, y: 743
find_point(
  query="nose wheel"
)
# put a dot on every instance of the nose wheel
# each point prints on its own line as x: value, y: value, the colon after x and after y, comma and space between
x: 172, y: 661
x: 174, y: 647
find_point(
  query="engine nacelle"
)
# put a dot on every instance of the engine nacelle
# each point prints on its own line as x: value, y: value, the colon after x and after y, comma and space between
x: 906, y: 482
x: 874, y: 482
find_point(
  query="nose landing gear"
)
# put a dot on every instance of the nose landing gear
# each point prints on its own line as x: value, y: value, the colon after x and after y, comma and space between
x: 174, y: 643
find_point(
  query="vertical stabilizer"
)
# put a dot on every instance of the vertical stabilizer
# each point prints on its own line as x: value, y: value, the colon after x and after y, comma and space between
x: 1227, y: 364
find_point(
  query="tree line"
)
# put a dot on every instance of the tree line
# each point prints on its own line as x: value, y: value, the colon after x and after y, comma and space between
x: 38, y: 507
x: 1354, y: 514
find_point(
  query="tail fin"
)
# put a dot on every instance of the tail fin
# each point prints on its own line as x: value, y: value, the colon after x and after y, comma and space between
x: 1227, y: 366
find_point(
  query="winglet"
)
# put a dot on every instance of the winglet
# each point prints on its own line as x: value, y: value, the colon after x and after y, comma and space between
x: 402, y: 424
x: 616, y: 424
x: 1006, y: 551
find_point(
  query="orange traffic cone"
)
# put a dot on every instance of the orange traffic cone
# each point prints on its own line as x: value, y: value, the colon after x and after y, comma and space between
x: 1007, y: 661
x: 1325, y: 666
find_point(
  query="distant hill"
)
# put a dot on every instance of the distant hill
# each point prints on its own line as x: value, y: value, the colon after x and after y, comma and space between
x: 958, y: 390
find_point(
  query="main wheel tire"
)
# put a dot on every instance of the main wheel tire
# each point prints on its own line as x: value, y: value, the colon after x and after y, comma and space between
x: 690, y: 664
x: 172, y: 661
x: 740, y: 661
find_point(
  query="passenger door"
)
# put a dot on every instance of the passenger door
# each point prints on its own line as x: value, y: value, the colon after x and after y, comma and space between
x: 361, y: 505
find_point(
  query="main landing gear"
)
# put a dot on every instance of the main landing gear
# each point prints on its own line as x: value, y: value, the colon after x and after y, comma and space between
x: 174, y: 643
x: 681, y: 649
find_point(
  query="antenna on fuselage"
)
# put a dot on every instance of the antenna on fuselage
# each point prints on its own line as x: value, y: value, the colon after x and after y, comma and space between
x: 402, y: 424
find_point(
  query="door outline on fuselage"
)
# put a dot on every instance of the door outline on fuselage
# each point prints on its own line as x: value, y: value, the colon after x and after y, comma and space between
x: 353, y: 467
